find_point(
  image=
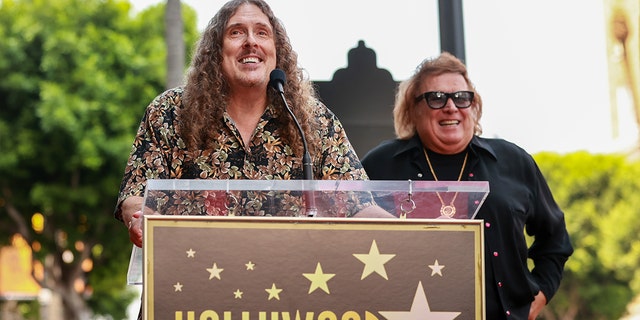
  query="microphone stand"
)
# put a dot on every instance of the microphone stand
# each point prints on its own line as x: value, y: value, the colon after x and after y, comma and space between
x: 307, y: 166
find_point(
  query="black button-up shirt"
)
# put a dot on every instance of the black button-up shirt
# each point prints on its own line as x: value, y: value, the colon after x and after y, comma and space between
x: 519, y: 200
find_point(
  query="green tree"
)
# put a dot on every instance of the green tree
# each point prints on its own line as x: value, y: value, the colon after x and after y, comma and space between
x: 599, y: 195
x: 76, y: 76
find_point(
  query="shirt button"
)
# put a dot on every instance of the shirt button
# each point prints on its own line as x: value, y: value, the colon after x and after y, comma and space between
x: 500, y: 284
x: 495, y: 253
x: 487, y: 224
x: 508, y: 313
x: 419, y: 175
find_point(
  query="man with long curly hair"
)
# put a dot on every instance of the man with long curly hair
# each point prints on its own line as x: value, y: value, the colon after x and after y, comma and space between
x: 227, y: 123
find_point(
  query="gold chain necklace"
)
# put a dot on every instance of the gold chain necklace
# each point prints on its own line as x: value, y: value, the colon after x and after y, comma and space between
x: 450, y: 209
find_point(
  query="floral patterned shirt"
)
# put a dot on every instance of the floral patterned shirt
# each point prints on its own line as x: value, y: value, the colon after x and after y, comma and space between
x: 158, y: 152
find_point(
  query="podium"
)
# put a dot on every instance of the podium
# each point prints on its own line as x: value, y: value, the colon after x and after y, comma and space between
x: 246, y: 249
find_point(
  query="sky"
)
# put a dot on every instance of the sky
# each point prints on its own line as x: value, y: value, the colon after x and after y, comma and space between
x: 540, y: 66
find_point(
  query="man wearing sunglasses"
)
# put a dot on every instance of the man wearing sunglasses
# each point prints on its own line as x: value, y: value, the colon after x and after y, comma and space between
x: 437, y: 122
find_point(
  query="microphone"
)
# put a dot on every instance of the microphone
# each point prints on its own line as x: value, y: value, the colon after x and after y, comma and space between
x: 277, y: 79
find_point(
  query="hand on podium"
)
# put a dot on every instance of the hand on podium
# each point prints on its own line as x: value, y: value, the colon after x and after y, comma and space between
x: 132, y: 217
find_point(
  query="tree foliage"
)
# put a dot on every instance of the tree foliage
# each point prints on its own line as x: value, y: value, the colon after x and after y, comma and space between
x: 599, y: 195
x: 76, y: 77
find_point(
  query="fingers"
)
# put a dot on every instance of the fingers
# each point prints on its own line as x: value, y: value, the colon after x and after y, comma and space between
x: 135, y: 221
x: 537, y: 305
x: 135, y: 235
x: 135, y: 239
x: 135, y: 228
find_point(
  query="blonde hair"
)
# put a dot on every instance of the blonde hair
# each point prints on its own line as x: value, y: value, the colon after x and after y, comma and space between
x: 405, y: 104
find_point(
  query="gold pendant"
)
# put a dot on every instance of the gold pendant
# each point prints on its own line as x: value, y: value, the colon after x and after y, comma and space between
x: 447, y: 211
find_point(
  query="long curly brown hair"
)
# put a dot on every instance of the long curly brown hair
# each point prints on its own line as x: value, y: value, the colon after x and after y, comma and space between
x: 206, y: 90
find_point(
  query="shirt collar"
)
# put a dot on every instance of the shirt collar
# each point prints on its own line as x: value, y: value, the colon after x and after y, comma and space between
x: 479, y: 144
x: 413, y: 143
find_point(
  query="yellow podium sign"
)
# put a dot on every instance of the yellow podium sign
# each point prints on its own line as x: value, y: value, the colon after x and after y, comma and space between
x: 202, y: 267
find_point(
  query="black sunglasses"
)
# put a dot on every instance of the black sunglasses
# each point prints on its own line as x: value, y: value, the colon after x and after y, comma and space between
x: 438, y: 99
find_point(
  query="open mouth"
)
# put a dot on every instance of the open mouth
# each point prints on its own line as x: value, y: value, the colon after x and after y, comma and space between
x: 449, y: 122
x: 249, y: 60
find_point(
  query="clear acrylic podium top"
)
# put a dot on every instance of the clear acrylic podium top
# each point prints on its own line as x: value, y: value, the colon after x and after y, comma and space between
x: 308, y: 198
x: 320, y: 198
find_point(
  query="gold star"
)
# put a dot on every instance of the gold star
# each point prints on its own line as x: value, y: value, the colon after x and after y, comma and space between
x: 191, y: 253
x: 250, y: 265
x: 419, y: 310
x: 436, y: 268
x: 214, y: 272
x: 319, y: 279
x: 273, y: 292
x: 237, y: 294
x: 374, y: 261
x: 177, y: 287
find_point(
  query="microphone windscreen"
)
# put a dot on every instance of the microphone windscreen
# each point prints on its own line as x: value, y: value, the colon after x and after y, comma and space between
x: 276, y: 77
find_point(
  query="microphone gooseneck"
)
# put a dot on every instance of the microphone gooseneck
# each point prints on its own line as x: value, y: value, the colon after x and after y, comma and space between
x: 277, y: 79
